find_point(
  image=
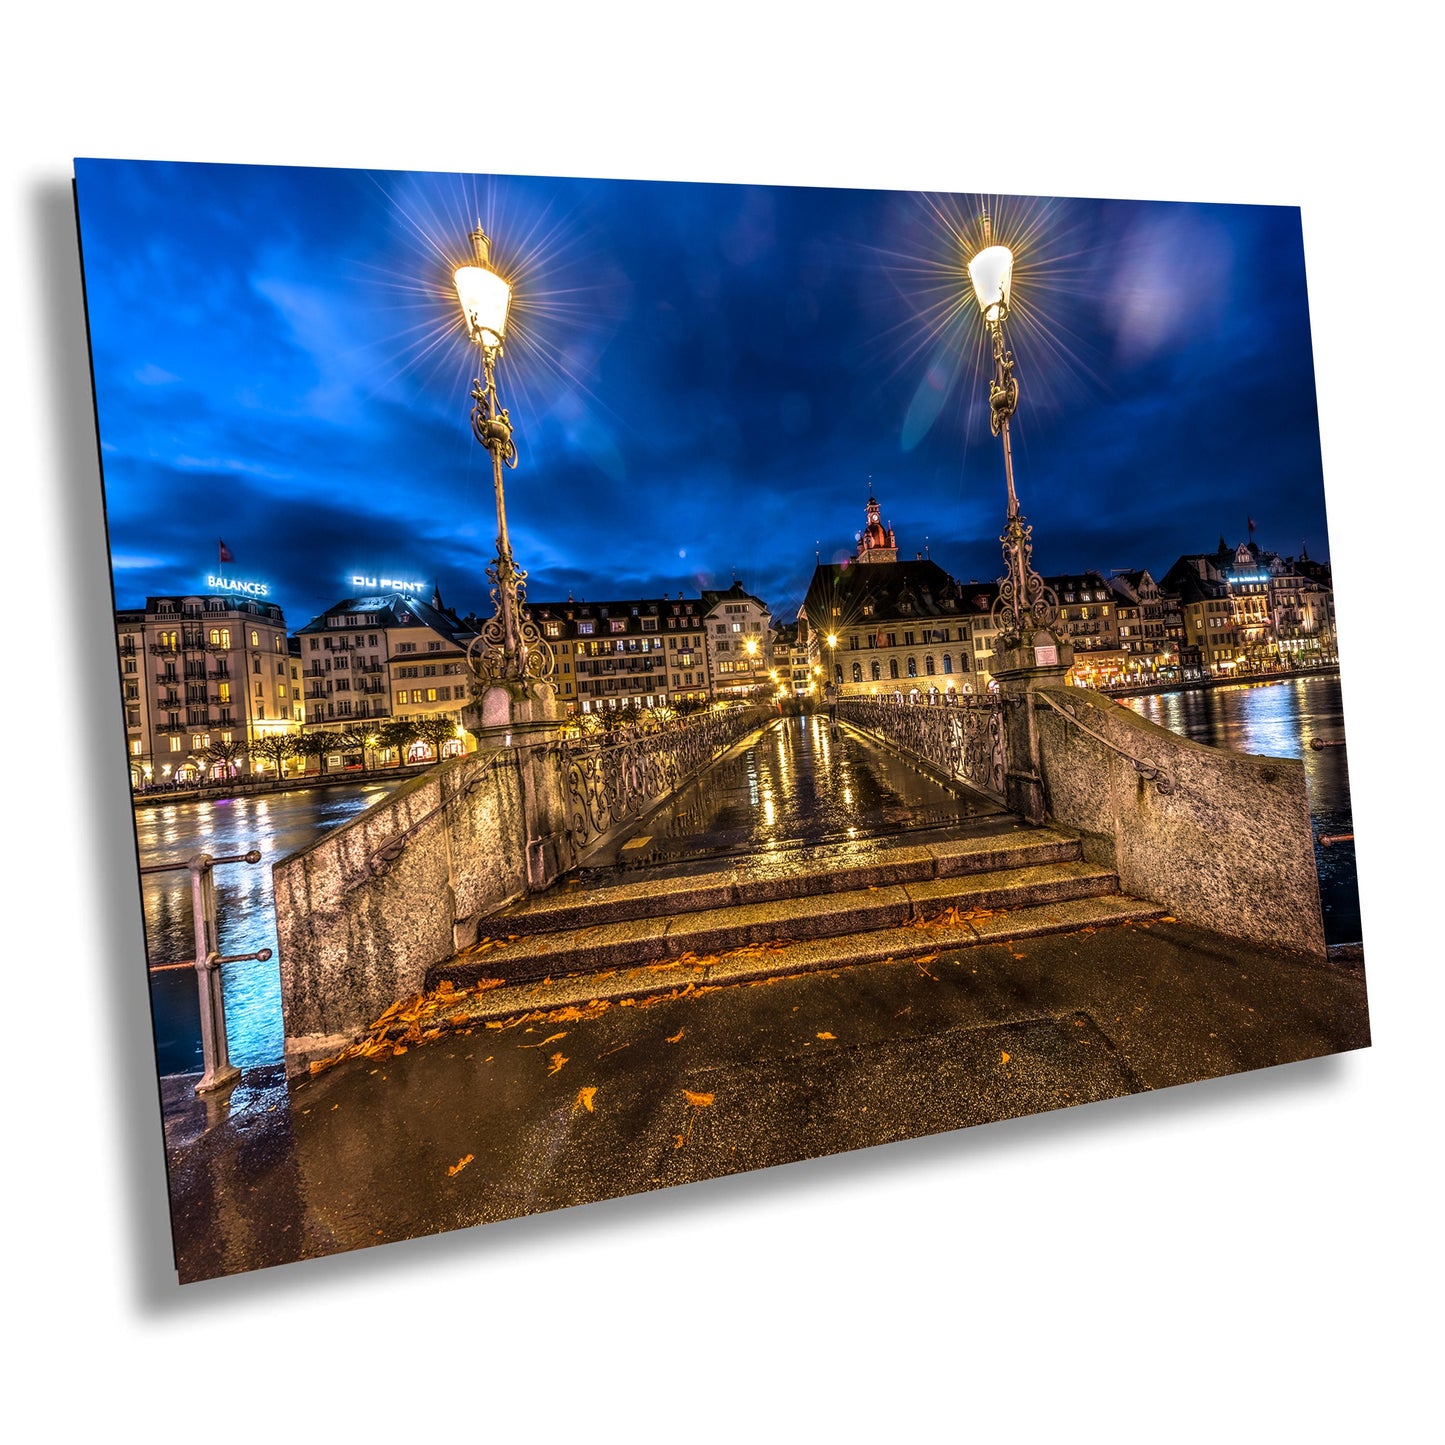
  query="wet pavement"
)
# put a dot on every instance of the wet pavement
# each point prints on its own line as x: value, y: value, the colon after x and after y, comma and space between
x: 798, y: 784
x: 580, y: 1096
x: 574, y: 1105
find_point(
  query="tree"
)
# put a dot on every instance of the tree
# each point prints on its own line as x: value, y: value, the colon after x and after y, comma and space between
x: 274, y: 748
x: 314, y: 745
x: 398, y: 734
x: 221, y: 752
x: 355, y: 737
x: 436, y: 732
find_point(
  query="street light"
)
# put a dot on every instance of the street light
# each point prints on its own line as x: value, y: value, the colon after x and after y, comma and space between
x: 510, y: 647
x: 1024, y: 603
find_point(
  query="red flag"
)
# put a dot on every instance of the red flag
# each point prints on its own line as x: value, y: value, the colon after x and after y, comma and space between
x: 225, y: 552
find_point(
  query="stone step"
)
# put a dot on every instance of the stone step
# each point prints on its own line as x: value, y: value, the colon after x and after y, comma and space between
x: 689, y: 972
x: 760, y: 879
x: 709, y: 931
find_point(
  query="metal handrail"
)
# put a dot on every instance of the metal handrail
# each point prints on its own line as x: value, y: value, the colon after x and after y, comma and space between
x: 218, y: 1070
x: 1161, y: 777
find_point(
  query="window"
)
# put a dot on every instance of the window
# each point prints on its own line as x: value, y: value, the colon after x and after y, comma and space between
x: 857, y: 672
x: 838, y: 673
x: 406, y: 647
x: 435, y: 646
x: 913, y: 667
x: 877, y: 669
x: 892, y: 667
x: 255, y: 638
x: 947, y: 663
x: 552, y: 629
x: 584, y: 629
x: 220, y: 636
x: 130, y: 664
x: 619, y: 624
x: 928, y: 665
x: 431, y: 694
x: 175, y: 744
x: 135, y: 748
x: 223, y: 692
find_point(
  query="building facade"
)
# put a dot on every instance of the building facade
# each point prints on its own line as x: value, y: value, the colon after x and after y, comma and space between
x: 649, y: 652
x: 385, y: 655
x: 738, y: 629
x: 203, y: 677
x: 876, y: 625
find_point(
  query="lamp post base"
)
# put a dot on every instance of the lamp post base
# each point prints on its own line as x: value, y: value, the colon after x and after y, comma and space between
x: 1040, y: 661
x: 507, y: 705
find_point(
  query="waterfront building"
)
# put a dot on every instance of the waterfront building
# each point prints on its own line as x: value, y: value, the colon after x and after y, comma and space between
x: 877, y: 625
x: 1277, y: 611
x: 385, y: 655
x: 738, y: 629
x: 1088, y: 622
x: 1301, y: 603
x: 790, y: 661
x: 634, y: 653
x: 1150, y: 627
x: 203, y: 676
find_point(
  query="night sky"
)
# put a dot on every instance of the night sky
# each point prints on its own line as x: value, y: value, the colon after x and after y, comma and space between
x: 703, y: 379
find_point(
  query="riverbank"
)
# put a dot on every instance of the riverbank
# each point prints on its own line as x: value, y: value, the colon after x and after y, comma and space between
x: 1205, y: 684
x: 225, y: 792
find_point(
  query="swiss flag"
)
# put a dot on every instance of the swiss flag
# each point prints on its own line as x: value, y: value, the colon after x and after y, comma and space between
x: 225, y: 551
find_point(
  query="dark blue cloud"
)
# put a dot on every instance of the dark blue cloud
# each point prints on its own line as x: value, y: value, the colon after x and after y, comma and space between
x: 704, y: 379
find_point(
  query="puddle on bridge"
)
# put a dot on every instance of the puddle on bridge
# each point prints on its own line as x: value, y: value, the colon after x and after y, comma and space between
x: 799, y: 785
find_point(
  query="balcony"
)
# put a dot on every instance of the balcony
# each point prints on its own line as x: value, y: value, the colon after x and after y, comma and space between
x: 164, y: 649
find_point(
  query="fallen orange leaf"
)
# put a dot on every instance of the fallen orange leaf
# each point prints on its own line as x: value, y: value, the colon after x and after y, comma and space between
x: 1004, y: 1058
x: 698, y: 1101
x: 459, y: 1165
x: 677, y: 1037
x: 827, y: 1036
x: 555, y: 1063
x: 584, y: 1098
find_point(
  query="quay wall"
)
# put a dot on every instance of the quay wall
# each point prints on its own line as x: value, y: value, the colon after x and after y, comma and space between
x: 1229, y: 847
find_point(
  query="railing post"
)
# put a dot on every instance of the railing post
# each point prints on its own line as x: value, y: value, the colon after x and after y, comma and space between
x: 219, y: 1072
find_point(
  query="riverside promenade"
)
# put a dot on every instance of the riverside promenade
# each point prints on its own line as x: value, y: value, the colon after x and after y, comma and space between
x: 489, y: 1098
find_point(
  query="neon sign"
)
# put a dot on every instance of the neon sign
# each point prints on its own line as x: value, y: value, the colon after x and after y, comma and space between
x: 232, y: 584
x: 388, y: 584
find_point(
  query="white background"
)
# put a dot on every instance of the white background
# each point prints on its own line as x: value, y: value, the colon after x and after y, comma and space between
x: 1247, y: 1259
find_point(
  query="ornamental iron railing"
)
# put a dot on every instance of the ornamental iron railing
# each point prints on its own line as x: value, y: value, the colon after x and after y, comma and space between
x: 961, y: 740
x: 611, y: 777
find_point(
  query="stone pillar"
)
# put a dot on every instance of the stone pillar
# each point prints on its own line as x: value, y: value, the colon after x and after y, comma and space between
x: 524, y: 716
x: 1019, y: 671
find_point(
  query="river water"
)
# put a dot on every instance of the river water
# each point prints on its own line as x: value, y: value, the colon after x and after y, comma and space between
x: 1281, y: 719
x: 277, y: 824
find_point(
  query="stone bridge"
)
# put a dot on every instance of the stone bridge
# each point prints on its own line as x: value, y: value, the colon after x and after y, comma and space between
x: 1043, y: 809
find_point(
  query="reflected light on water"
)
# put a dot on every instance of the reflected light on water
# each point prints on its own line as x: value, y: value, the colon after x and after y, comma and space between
x: 1280, y: 720
x: 246, y: 921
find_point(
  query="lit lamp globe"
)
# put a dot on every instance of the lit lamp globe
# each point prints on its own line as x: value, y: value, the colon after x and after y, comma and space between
x: 991, y: 272
x: 484, y: 296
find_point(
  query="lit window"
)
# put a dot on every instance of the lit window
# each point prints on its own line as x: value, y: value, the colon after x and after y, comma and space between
x: 175, y: 744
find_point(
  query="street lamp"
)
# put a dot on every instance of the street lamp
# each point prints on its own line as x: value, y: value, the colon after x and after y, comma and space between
x: 510, y: 647
x: 1024, y: 603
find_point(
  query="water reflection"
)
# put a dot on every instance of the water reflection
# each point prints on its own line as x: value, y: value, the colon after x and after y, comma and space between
x: 277, y: 825
x: 1281, y: 719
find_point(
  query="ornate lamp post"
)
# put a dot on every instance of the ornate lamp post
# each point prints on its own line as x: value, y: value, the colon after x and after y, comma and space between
x: 1025, y: 604
x: 510, y: 649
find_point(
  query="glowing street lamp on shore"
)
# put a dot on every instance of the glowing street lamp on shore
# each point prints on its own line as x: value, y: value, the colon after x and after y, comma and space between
x: 510, y: 647
x: 1025, y: 605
